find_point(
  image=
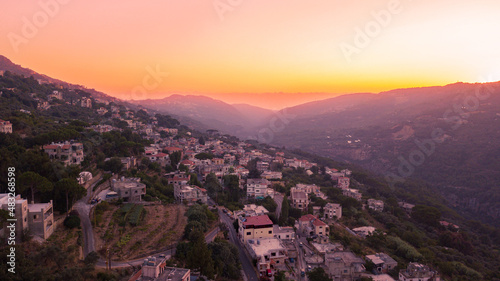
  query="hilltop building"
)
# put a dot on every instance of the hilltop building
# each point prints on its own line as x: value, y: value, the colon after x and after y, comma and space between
x: 5, y: 127
x: 37, y: 218
x: 256, y: 227
x: 70, y: 153
x: 129, y: 189
x: 418, y: 272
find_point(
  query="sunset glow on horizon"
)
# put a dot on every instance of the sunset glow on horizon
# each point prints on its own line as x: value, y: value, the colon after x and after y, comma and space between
x: 233, y: 50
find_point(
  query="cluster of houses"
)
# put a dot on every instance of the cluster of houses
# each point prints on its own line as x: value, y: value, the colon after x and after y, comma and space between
x: 270, y: 245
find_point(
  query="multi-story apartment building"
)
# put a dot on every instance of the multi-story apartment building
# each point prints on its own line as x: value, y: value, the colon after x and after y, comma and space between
x: 344, y: 266
x: 299, y: 200
x: 41, y: 219
x: 257, y: 187
x: 333, y: 210
x: 311, y: 225
x: 70, y: 153
x: 256, y: 227
x: 20, y: 212
x: 269, y: 253
x: 377, y: 205
x: 190, y: 194
x: 343, y: 182
x: 383, y: 262
x: 5, y: 127
x: 129, y: 189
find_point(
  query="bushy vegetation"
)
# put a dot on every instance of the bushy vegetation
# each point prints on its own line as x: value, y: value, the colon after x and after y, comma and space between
x: 219, y: 257
x: 72, y: 221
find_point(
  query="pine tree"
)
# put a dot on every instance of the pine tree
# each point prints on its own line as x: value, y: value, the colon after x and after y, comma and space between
x: 200, y: 257
x: 285, y: 207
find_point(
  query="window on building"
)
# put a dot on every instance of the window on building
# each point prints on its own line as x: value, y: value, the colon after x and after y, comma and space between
x: 249, y: 233
x: 270, y: 232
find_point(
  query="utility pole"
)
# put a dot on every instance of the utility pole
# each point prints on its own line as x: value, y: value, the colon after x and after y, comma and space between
x: 107, y: 263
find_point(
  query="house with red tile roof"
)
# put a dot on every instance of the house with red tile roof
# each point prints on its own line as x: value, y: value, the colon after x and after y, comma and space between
x: 311, y: 225
x: 256, y: 227
x: 70, y: 153
x: 5, y: 127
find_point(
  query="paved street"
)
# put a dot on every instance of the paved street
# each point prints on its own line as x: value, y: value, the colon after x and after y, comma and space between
x: 301, y: 262
x: 246, y: 263
x: 83, y: 209
x: 278, y: 198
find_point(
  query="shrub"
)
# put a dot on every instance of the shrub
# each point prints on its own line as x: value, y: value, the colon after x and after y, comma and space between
x: 136, y: 215
x: 403, y: 249
x: 72, y: 222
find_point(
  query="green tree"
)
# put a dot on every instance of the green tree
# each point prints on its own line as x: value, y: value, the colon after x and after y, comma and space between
x: 318, y: 274
x: 232, y: 185
x: 175, y: 158
x: 226, y: 258
x: 199, y: 257
x: 70, y: 189
x: 35, y: 183
x: 426, y: 214
x: 204, y: 156
x: 285, y: 207
x: 113, y: 165
x: 72, y: 221
x: 280, y: 276
x: 212, y: 185
x: 193, y: 180
x: 91, y: 259
x: 269, y: 204
x: 201, y: 140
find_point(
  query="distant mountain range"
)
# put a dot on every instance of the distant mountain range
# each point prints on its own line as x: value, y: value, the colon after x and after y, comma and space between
x: 215, y: 114
x: 447, y: 136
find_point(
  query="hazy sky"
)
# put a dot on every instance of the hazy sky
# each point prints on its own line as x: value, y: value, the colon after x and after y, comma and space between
x: 226, y: 48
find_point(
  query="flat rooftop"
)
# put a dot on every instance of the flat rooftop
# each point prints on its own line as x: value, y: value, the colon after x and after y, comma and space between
x: 172, y: 274
x: 327, y: 248
x: 262, y: 246
x: 38, y: 207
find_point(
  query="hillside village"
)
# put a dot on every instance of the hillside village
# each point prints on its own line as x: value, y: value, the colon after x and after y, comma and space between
x: 289, y: 217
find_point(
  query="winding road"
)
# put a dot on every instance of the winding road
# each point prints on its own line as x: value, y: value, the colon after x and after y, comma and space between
x: 278, y: 198
x: 246, y: 263
x: 83, y: 209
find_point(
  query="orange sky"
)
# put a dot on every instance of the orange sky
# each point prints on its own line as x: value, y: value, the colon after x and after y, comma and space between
x: 256, y: 46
